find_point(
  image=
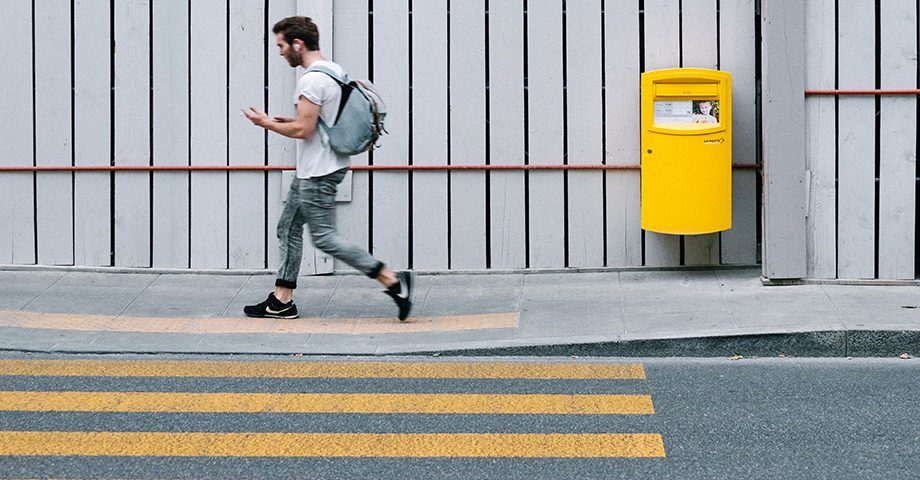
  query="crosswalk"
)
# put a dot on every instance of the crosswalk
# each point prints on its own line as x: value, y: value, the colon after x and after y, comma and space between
x: 76, y: 391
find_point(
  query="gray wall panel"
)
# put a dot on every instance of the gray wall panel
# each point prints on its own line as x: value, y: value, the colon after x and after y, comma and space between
x: 784, y: 139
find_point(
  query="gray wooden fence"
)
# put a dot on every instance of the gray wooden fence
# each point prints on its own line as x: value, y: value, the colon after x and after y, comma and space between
x: 840, y: 169
x: 160, y: 82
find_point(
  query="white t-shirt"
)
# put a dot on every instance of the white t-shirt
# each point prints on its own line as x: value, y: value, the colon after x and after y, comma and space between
x: 315, y: 157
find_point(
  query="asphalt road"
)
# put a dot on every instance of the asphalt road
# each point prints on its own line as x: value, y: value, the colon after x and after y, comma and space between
x: 125, y: 417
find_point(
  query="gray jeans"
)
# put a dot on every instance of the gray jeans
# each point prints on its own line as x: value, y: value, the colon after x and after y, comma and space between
x: 311, y: 201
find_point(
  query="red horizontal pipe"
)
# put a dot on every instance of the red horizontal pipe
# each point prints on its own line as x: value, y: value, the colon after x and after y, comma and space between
x: 493, y: 167
x: 260, y: 168
x: 146, y: 168
x: 909, y: 91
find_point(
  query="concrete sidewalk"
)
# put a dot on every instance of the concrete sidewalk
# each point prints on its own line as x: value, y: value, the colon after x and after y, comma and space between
x: 714, y: 312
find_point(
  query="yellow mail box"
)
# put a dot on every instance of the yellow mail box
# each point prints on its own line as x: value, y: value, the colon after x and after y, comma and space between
x: 686, y: 151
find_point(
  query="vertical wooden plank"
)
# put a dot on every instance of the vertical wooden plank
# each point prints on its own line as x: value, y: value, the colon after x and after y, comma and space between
x: 92, y: 131
x: 391, y: 75
x: 898, y: 142
x: 624, y: 234
x: 170, y: 133
x: 700, y: 48
x: 316, y: 261
x: 662, y: 50
x: 429, y: 134
x: 282, y: 80
x: 585, y: 119
x: 738, y: 56
x: 506, y: 134
x: 132, y: 132
x: 53, y: 191
x: 856, y: 141
x: 546, y: 134
x: 784, y: 139
x: 209, y: 132
x: 699, y: 31
x: 351, y: 39
x: 820, y: 148
x: 467, y: 134
x: 17, y: 212
x: 247, y: 147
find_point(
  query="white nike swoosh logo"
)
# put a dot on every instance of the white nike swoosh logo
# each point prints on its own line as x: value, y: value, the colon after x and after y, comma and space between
x: 403, y: 289
x: 269, y: 310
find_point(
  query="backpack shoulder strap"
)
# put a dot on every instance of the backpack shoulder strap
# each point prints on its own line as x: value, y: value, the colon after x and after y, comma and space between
x: 342, y: 80
x: 343, y: 83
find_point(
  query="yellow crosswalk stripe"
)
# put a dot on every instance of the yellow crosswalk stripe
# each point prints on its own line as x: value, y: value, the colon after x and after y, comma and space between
x: 505, y: 370
x: 308, y: 444
x: 326, y: 403
x: 133, y: 444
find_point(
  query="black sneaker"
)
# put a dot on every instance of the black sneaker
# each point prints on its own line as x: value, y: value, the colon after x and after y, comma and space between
x: 271, y: 308
x: 402, y: 293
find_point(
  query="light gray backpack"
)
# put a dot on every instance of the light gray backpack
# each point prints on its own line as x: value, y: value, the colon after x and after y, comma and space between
x: 359, y: 122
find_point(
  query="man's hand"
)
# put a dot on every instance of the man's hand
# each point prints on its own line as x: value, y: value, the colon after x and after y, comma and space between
x: 256, y: 117
x: 300, y: 127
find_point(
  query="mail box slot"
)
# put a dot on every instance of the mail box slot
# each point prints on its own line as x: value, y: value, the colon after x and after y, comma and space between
x: 686, y: 90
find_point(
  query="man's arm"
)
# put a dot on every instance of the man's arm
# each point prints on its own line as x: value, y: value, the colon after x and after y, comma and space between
x: 301, y: 127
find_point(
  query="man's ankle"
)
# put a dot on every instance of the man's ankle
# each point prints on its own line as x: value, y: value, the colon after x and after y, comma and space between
x: 387, y: 277
x: 283, y: 297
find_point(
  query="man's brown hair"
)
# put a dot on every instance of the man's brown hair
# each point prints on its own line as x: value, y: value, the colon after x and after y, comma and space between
x: 298, y: 28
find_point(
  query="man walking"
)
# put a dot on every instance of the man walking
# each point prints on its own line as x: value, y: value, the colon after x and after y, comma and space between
x: 311, y: 199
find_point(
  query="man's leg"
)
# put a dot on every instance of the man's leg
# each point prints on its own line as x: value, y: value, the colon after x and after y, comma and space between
x: 290, y: 241
x: 290, y: 238
x: 319, y: 210
x: 290, y: 245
